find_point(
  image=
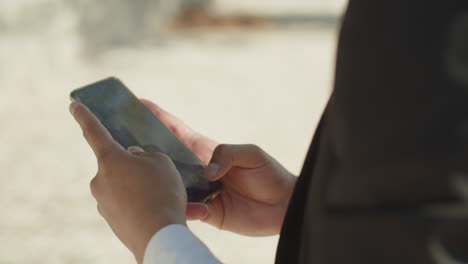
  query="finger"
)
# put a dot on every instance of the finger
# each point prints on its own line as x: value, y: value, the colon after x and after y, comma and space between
x: 179, y: 128
x: 99, y: 210
x: 139, y: 152
x: 196, y: 211
x: 216, y: 212
x: 94, y: 132
x: 93, y: 187
x: 135, y: 150
x: 200, y: 145
x: 227, y: 156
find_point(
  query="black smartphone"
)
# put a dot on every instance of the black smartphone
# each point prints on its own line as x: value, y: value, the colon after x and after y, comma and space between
x: 132, y: 124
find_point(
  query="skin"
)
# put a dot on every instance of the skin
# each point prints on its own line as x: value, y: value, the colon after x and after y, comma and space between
x: 139, y: 193
x: 130, y: 186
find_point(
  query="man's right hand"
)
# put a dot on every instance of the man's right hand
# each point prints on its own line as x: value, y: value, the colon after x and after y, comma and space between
x: 256, y: 188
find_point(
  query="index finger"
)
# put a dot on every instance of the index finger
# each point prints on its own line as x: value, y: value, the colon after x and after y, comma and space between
x: 199, y: 144
x: 95, y: 133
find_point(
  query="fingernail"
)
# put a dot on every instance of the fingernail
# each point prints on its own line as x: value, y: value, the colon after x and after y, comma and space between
x: 73, y: 107
x: 212, y: 170
x: 206, y: 211
x: 197, y: 211
x: 135, y: 149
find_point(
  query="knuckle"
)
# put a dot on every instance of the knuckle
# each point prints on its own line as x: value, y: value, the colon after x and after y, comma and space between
x: 85, y: 132
x: 78, y: 111
x: 259, y: 151
x: 86, y: 128
x: 165, y: 158
x: 99, y: 210
x: 174, y: 129
x: 221, y: 149
x: 102, y: 169
x: 93, y: 186
x: 160, y: 156
x: 104, y: 156
x: 254, y: 148
x: 139, y: 154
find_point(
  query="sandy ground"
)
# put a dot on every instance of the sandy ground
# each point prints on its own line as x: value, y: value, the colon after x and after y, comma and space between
x: 266, y: 87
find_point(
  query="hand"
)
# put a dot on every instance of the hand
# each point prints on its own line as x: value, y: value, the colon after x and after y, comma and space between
x: 137, y: 193
x: 256, y: 188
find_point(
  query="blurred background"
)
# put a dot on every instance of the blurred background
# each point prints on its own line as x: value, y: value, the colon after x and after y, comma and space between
x: 239, y: 71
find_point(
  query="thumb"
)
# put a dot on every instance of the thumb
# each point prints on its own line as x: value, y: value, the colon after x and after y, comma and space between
x: 196, y: 211
x: 226, y: 157
x: 212, y: 213
x: 137, y: 151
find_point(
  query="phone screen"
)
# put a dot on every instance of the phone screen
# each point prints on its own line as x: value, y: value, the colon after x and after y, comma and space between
x: 132, y: 124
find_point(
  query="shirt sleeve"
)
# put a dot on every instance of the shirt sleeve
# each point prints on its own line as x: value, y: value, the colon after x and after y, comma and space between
x: 176, y: 244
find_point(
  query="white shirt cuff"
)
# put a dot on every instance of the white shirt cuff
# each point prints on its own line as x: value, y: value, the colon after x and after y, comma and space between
x: 176, y: 244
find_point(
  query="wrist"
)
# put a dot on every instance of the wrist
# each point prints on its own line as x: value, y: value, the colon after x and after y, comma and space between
x: 146, y: 234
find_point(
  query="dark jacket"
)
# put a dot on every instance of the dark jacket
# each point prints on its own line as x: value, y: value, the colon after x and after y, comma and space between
x: 391, y: 137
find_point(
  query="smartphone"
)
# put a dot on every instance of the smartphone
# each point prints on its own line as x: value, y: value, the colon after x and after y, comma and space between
x: 132, y: 124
